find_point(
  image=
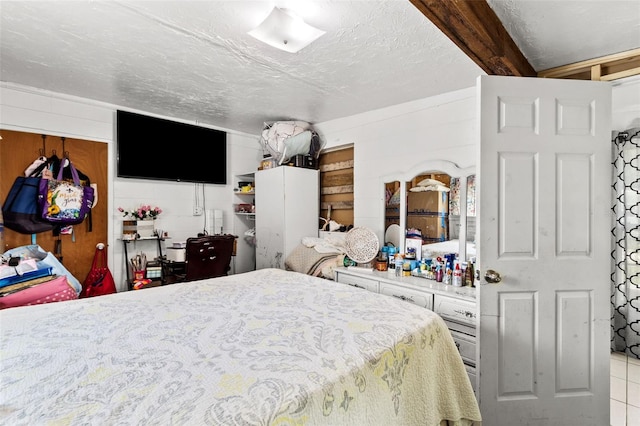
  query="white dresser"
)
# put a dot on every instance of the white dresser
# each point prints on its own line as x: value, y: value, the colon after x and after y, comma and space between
x: 456, y: 305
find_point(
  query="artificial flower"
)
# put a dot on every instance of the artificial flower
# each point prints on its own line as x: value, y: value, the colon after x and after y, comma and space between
x: 141, y: 213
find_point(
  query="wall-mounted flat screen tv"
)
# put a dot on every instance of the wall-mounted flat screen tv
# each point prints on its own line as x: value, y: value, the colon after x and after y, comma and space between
x: 154, y: 148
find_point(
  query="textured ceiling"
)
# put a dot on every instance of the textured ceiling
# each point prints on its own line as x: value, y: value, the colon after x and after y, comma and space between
x: 193, y: 60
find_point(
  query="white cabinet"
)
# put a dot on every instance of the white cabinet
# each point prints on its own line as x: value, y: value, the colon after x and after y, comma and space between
x: 420, y: 298
x: 287, y: 209
x: 363, y: 283
x: 456, y: 305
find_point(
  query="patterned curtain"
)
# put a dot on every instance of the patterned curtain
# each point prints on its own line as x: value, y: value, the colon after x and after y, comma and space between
x: 625, y: 275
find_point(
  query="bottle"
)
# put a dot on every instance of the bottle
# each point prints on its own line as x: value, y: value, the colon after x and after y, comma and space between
x: 391, y: 256
x: 399, y: 262
x: 383, y: 256
x: 423, y: 266
x: 439, y: 273
x: 456, y: 279
x: 406, y: 268
x: 446, y: 279
x: 470, y: 275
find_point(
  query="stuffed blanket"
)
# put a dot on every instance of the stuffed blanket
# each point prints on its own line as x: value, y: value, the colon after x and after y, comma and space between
x: 308, y: 261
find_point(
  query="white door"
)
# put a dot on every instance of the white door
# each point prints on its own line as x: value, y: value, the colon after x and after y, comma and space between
x: 545, y: 183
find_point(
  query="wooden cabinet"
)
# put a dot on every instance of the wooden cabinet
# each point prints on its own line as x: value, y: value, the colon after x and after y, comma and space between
x: 456, y: 305
x: 287, y: 205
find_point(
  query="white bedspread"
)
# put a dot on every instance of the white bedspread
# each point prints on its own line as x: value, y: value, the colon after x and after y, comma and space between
x: 268, y: 347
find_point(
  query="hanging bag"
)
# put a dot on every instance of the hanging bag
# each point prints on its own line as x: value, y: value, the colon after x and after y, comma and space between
x: 64, y: 202
x: 99, y: 280
x: 20, y: 210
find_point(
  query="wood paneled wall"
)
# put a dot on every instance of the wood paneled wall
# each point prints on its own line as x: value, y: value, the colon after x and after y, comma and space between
x: 17, y: 151
x: 336, y: 186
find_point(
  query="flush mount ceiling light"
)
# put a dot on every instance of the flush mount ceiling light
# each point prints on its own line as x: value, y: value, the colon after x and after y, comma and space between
x: 286, y: 31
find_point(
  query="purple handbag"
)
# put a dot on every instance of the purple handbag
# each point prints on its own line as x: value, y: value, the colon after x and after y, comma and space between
x: 64, y: 202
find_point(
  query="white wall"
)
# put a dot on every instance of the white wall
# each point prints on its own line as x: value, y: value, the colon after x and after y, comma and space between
x: 386, y: 141
x: 393, y: 140
x: 30, y: 110
x: 396, y: 139
x: 626, y: 103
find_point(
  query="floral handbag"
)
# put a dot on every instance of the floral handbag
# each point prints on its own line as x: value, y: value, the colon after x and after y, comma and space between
x: 62, y: 201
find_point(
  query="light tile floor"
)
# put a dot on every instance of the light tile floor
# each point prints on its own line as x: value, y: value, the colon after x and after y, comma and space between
x: 625, y: 390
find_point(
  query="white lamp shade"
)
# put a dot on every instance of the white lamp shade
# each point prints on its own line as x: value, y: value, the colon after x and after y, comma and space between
x: 285, y: 31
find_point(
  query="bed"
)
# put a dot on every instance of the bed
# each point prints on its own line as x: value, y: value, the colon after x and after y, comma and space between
x: 267, y: 347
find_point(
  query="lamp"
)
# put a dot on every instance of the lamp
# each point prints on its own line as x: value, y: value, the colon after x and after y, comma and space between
x: 284, y: 30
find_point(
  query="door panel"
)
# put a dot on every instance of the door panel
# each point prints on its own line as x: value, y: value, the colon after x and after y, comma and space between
x: 544, y: 191
x: 17, y: 151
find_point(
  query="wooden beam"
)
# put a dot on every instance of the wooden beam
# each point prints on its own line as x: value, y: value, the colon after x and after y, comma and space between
x: 475, y: 28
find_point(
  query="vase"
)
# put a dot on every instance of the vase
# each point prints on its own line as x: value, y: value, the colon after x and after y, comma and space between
x: 134, y: 229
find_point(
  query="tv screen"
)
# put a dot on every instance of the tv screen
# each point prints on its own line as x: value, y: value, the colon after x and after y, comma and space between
x: 155, y: 148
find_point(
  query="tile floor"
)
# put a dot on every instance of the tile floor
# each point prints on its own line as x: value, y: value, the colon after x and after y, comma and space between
x: 625, y: 390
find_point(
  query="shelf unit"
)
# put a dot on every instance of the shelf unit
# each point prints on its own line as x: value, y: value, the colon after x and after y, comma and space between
x: 244, y: 224
x: 126, y: 242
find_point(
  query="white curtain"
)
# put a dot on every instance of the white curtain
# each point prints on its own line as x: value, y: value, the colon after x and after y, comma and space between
x: 625, y: 276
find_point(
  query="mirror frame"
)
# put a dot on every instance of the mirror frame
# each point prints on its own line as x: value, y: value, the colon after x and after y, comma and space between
x: 431, y: 166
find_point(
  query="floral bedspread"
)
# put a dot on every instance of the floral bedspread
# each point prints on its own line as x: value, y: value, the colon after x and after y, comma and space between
x: 267, y: 347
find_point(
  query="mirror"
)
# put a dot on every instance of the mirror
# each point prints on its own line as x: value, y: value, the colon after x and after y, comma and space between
x: 423, y: 210
x: 392, y: 213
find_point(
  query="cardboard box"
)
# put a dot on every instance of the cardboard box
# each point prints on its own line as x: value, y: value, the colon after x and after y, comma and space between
x: 428, y: 202
x: 433, y: 228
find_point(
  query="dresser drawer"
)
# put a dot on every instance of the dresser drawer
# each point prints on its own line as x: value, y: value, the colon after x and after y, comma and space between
x: 466, y: 346
x: 471, y: 372
x: 419, y: 298
x: 364, y: 283
x: 457, y: 310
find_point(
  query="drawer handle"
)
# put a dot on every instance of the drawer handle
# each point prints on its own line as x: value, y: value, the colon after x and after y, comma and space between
x: 458, y: 346
x: 356, y: 285
x: 405, y: 298
x: 467, y: 314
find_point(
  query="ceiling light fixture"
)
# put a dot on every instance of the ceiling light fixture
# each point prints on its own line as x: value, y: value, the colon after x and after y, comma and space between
x: 284, y: 30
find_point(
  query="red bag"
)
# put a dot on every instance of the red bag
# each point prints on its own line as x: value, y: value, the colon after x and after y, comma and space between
x: 99, y: 280
x: 54, y: 290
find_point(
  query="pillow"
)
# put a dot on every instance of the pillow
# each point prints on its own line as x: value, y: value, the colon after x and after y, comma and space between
x: 429, y: 182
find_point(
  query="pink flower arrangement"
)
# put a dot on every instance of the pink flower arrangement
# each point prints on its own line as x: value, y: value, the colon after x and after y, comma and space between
x: 142, y: 212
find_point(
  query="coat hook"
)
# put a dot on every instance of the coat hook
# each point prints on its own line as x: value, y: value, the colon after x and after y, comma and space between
x: 65, y: 153
x: 43, y: 151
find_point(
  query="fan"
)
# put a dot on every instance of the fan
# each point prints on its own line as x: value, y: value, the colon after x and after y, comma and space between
x: 361, y: 245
